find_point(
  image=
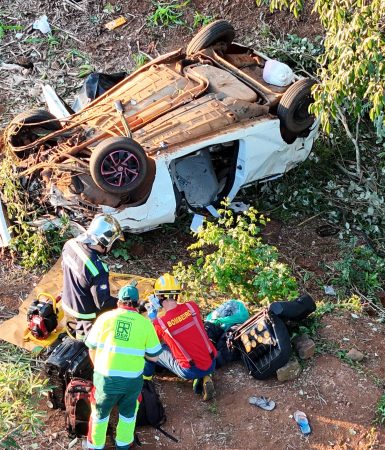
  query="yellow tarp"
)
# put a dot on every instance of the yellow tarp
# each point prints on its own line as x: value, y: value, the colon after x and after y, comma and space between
x: 14, y: 330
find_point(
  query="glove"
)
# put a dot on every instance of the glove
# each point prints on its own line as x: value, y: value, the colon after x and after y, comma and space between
x: 154, y: 301
x: 151, y: 311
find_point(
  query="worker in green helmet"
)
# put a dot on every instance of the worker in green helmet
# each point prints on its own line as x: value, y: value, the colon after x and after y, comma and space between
x: 119, y: 342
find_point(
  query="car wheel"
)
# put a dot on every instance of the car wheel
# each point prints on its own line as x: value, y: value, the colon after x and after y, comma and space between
x: 288, y: 136
x: 27, y: 127
x: 214, y: 32
x: 118, y: 165
x: 293, y: 108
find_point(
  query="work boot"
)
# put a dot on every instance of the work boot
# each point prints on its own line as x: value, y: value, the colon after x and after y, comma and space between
x: 208, y: 388
x: 198, y: 386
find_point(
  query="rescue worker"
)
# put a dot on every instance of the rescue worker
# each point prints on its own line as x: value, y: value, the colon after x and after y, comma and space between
x: 187, y: 350
x: 86, y: 289
x: 119, y: 342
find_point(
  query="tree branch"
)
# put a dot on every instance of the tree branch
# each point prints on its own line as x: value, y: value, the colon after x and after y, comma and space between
x: 354, y: 139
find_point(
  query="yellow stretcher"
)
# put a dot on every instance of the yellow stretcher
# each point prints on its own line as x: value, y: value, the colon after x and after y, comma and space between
x: 15, y: 330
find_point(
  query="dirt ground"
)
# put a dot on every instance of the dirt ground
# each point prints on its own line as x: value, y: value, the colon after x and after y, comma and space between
x: 339, y: 399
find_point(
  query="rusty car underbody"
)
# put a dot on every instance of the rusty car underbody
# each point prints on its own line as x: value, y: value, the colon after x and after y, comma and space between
x: 191, y: 128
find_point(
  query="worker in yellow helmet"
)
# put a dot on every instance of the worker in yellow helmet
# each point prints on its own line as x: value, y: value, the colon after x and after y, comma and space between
x: 119, y: 341
x: 187, y: 350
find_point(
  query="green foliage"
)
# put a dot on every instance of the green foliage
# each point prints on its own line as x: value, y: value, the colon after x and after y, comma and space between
x: 319, y: 187
x: 122, y: 250
x: 200, y: 20
x: 110, y: 9
x: 300, y: 53
x: 140, y: 59
x: 51, y: 40
x: 312, y: 323
x: 35, y: 247
x: 360, y: 269
x: 168, y: 14
x: 4, y: 28
x: 380, y: 410
x: 20, y: 392
x: 81, y: 60
x: 84, y: 70
x: 231, y: 259
x: 352, y: 68
x: 295, y: 6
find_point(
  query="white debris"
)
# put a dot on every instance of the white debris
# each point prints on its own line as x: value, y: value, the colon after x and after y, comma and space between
x: 4, y: 233
x: 277, y: 73
x: 329, y: 290
x: 42, y: 25
x: 196, y: 223
x: 239, y: 207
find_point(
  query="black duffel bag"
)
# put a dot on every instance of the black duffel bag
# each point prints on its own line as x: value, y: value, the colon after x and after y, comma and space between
x: 69, y: 359
x: 296, y: 310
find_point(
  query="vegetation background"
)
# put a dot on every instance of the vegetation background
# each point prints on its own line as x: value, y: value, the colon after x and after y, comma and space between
x: 325, y: 233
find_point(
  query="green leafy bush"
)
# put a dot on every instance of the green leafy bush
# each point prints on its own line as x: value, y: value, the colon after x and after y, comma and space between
x: 231, y: 259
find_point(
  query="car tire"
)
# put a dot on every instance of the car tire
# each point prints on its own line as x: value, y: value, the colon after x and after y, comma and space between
x: 214, y: 32
x: 18, y: 134
x: 293, y: 108
x: 119, y: 165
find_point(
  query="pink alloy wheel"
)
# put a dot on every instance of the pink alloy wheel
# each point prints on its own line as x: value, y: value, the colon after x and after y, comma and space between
x: 120, y: 168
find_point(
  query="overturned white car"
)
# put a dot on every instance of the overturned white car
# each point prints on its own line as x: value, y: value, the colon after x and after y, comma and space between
x: 190, y: 127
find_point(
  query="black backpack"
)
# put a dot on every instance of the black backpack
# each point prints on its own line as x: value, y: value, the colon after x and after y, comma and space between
x: 69, y: 359
x: 151, y: 410
x: 77, y: 400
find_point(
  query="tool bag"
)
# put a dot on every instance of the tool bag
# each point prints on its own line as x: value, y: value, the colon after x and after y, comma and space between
x: 264, y: 341
x: 151, y: 410
x: 70, y: 359
x: 264, y: 344
x: 77, y: 400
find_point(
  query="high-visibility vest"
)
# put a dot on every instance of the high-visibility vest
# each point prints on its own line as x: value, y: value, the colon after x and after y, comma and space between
x: 121, y: 339
x: 82, y: 270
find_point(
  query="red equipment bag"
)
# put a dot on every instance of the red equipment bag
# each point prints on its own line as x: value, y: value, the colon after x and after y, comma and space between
x: 77, y: 400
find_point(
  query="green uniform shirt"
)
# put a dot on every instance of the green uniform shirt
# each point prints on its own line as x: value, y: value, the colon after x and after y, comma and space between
x: 121, y: 338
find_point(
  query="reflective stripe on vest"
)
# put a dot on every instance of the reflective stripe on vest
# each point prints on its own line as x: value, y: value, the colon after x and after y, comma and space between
x: 121, y: 350
x: 76, y: 314
x: 82, y: 255
x: 120, y: 339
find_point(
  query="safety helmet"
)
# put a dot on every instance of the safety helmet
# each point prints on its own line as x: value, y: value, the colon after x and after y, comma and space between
x: 104, y: 230
x: 129, y: 293
x: 167, y: 285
